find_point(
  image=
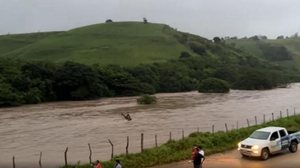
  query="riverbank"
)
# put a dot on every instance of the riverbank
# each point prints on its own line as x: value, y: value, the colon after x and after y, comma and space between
x: 174, y: 151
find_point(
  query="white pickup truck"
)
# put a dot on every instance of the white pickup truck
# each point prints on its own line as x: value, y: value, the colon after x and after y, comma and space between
x: 269, y: 140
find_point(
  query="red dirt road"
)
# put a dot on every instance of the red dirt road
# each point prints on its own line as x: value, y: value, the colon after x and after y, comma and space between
x: 232, y: 159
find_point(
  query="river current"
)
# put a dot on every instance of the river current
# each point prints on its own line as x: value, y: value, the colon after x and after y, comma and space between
x: 51, y: 127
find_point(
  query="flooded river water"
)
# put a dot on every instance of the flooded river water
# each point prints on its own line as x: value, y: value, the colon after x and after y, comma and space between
x: 51, y: 127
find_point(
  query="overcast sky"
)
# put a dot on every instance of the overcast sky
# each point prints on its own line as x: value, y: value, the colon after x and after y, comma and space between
x: 207, y: 18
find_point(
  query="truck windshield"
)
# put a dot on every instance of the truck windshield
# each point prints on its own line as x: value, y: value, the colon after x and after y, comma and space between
x: 260, y: 135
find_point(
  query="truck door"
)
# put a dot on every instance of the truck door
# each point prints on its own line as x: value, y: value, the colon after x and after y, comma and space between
x: 284, y: 139
x: 275, y: 142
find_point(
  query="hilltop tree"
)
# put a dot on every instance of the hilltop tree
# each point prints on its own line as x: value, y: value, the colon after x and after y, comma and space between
x: 217, y: 40
x: 108, y: 21
x: 145, y: 20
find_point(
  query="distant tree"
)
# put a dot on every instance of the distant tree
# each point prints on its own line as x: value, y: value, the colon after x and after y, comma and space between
x: 108, y: 21
x: 256, y: 38
x: 217, y: 40
x: 280, y: 37
x: 145, y: 20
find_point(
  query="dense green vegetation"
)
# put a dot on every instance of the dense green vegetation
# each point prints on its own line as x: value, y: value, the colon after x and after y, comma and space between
x: 282, y: 51
x: 35, y: 82
x: 174, y: 151
x: 146, y: 99
x: 213, y: 85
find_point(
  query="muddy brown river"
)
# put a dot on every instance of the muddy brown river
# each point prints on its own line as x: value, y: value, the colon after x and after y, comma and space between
x: 51, y: 127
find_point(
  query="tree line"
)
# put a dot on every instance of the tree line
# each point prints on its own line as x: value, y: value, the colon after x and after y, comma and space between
x: 34, y: 82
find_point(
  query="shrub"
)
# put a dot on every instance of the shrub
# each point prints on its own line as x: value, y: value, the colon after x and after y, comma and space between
x: 184, y: 54
x: 197, y: 48
x: 213, y: 85
x: 146, y: 99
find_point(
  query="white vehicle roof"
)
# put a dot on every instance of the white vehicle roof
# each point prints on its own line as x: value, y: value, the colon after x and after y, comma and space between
x: 270, y: 129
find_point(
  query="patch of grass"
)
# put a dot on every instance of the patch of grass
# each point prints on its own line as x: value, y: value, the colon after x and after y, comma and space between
x: 174, y: 151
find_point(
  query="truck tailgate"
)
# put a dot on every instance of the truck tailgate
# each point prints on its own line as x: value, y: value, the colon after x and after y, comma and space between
x: 297, y: 135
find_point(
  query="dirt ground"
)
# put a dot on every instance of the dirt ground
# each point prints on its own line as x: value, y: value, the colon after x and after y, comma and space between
x: 232, y: 159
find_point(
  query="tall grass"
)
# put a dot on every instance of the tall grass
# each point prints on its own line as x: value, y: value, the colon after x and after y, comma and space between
x: 174, y: 151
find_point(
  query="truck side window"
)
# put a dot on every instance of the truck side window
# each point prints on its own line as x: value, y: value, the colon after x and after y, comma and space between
x: 274, y: 136
x: 282, y: 133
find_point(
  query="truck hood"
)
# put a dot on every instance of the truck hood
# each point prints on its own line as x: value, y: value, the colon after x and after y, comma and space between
x: 251, y: 141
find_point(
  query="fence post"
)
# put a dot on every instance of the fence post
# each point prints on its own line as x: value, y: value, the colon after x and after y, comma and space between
x: 198, y: 130
x: 264, y: 118
x: 14, y: 163
x: 280, y: 114
x: 66, y: 157
x: 237, y: 124
x: 272, y: 116
x: 112, y: 149
x: 40, y: 160
x: 155, y: 140
x: 127, y: 144
x: 294, y: 111
x: 182, y: 133
x: 255, y: 120
x: 142, y: 142
x: 248, y: 123
x: 213, y: 129
x: 287, y: 113
x: 226, y: 128
x: 90, y: 156
x: 170, y: 136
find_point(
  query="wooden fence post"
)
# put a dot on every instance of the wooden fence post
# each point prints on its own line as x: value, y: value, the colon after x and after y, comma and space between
x: 156, y: 140
x: 280, y: 114
x: 90, y: 156
x: 237, y: 124
x: 66, y: 157
x: 248, y: 123
x: 198, y: 130
x: 14, y: 163
x: 170, y: 136
x: 127, y: 144
x: 213, y: 129
x: 255, y: 120
x: 294, y: 111
x: 226, y: 128
x: 142, y: 142
x: 264, y: 118
x: 182, y: 133
x: 40, y: 160
x: 287, y: 113
x: 112, y: 149
x: 272, y: 116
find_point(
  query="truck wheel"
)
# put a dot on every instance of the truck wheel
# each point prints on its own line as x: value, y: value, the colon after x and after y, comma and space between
x: 244, y: 156
x: 293, y: 147
x: 265, y: 154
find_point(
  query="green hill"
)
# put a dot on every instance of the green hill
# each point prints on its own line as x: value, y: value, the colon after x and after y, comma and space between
x: 122, y: 43
x: 284, y: 52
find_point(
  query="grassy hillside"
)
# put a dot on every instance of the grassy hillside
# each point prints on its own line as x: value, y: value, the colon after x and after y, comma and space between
x: 9, y: 43
x: 123, y: 43
x: 257, y: 48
